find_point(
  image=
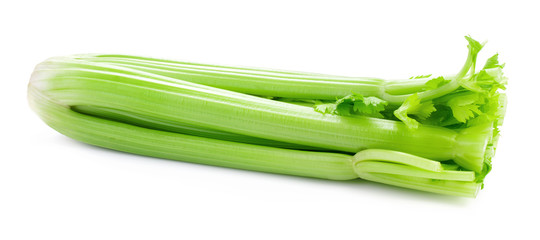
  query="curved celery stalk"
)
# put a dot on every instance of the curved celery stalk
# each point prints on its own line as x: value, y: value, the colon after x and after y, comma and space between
x: 73, y: 83
x: 289, y: 84
x: 383, y: 166
x: 249, y: 80
x: 169, y: 126
x: 170, y: 145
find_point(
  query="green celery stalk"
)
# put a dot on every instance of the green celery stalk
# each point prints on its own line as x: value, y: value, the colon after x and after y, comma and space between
x: 76, y: 82
x: 285, y: 84
x: 130, y: 138
x: 170, y: 126
x: 248, y: 80
x: 384, y: 166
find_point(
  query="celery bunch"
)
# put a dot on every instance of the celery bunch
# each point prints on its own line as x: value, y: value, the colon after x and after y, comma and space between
x: 431, y: 133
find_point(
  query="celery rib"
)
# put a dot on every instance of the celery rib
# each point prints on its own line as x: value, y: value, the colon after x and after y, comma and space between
x: 310, y: 86
x: 175, y: 146
x: 286, y: 84
x: 111, y: 87
x: 129, y: 138
x: 169, y: 126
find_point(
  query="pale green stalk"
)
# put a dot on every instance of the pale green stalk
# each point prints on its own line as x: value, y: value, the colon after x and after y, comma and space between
x: 75, y: 83
x: 376, y: 165
x: 285, y: 84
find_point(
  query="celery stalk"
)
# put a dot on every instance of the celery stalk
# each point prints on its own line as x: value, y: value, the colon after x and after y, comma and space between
x: 129, y: 138
x: 247, y: 80
x: 170, y: 145
x: 79, y: 83
x: 287, y: 84
x: 169, y: 126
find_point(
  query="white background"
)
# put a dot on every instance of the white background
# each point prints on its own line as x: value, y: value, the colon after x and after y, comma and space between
x: 52, y: 187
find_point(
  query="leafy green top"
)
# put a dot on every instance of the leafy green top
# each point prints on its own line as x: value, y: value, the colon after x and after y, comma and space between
x: 471, y: 99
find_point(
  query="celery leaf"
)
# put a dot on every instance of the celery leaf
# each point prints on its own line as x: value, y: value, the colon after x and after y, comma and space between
x: 413, y: 106
x: 354, y: 104
x: 465, y: 107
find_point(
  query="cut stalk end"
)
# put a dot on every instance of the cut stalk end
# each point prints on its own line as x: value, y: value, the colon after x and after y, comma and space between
x: 410, y: 171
